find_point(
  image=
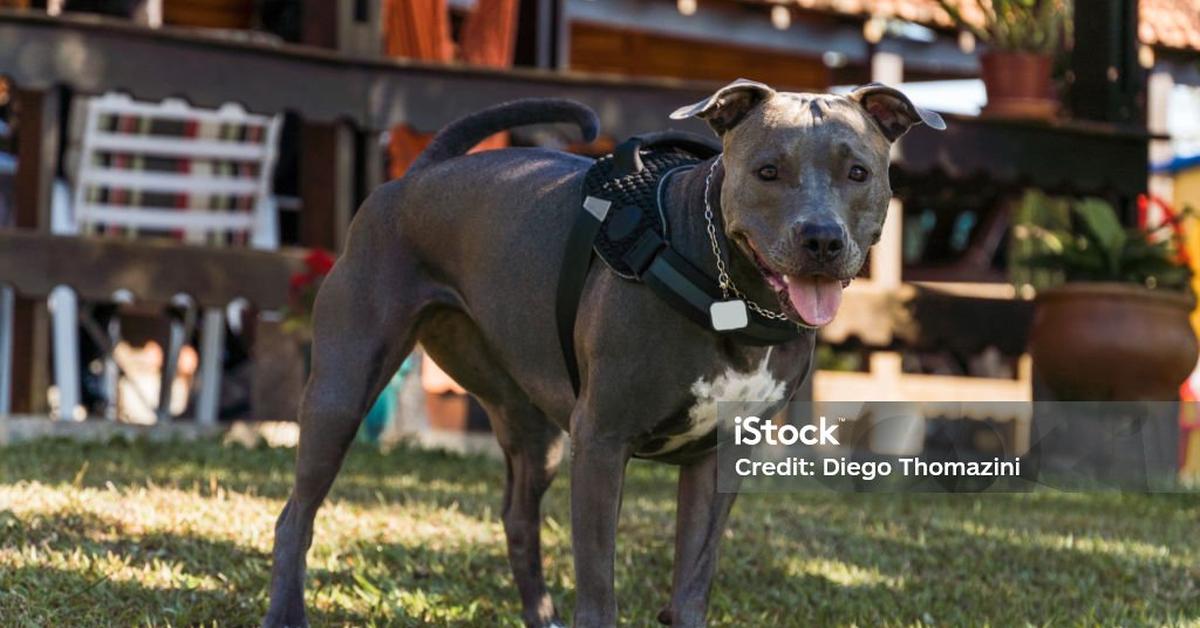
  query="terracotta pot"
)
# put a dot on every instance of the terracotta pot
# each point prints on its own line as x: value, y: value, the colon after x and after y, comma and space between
x: 1018, y: 85
x: 1112, y: 341
x: 447, y: 412
x: 453, y: 412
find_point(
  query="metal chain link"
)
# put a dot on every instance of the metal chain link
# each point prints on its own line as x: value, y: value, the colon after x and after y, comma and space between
x: 723, y: 278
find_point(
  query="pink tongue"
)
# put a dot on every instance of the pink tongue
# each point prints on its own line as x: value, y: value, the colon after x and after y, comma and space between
x: 815, y: 299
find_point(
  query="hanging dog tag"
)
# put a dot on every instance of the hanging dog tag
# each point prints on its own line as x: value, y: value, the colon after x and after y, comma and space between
x: 727, y: 315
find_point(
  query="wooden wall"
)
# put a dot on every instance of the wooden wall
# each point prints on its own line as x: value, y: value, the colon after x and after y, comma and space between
x: 237, y: 14
x: 598, y: 48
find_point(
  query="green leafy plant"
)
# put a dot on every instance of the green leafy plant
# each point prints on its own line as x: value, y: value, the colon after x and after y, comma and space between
x: 1087, y: 242
x: 1037, y: 26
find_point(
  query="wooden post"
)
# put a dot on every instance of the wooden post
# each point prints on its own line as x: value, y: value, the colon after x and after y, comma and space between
x: 887, y: 67
x: 327, y: 160
x: 326, y: 183
x: 319, y: 23
x: 358, y: 27
x: 887, y: 257
x: 38, y: 129
x: 1108, y: 81
x: 1158, y: 95
x: 541, y: 34
x: 898, y: 435
x: 371, y: 169
x: 279, y: 371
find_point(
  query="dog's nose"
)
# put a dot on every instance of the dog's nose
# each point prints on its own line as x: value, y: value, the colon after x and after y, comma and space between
x: 823, y: 240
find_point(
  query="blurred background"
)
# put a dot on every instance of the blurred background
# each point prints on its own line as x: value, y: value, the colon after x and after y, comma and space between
x: 178, y: 176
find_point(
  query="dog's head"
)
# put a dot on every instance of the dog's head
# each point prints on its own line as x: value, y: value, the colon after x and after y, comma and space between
x: 806, y: 182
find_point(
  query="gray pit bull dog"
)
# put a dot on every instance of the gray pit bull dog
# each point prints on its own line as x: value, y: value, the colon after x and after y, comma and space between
x: 463, y: 255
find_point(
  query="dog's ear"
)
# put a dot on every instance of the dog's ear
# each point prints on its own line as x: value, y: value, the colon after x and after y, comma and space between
x: 893, y: 111
x: 728, y: 105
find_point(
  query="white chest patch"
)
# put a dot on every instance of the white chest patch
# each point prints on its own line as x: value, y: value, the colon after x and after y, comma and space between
x: 757, y: 387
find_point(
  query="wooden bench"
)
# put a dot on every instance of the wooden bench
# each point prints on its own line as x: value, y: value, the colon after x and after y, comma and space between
x: 34, y: 264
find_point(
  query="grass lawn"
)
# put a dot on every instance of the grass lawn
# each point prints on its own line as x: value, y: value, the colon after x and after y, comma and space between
x: 179, y: 534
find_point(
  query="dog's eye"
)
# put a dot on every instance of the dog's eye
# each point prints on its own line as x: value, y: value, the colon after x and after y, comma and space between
x: 858, y: 174
x: 768, y: 173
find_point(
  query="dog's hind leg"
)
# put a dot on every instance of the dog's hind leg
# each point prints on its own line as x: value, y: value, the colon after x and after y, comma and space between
x: 532, y: 456
x: 363, y: 328
x: 532, y: 445
x: 700, y: 518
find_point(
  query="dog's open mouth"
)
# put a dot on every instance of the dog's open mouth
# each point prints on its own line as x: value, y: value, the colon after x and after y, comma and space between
x: 812, y: 299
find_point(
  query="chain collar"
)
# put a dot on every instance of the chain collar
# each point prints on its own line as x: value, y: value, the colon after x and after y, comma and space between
x: 723, y: 278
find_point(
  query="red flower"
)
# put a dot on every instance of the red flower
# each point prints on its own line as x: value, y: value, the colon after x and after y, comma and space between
x: 299, y: 280
x: 319, y: 262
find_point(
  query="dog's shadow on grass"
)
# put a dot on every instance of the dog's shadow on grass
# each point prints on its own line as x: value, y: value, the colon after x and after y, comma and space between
x: 71, y: 532
x: 95, y: 577
x: 101, y: 564
x: 54, y: 596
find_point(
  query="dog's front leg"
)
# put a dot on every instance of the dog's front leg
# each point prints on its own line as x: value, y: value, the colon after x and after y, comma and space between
x: 700, y: 517
x: 597, y: 475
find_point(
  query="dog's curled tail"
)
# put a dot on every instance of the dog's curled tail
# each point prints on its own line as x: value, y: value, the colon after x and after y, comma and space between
x: 460, y: 136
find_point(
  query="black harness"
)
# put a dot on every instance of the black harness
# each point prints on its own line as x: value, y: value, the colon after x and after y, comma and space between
x: 623, y: 222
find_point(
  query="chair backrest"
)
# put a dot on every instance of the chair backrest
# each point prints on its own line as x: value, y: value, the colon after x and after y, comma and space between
x: 170, y: 169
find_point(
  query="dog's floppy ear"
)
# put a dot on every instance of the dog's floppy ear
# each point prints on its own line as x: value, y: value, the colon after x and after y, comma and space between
x: 893, y: 111
x: 728, y: 105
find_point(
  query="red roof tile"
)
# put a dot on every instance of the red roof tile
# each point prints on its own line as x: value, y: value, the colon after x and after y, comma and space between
x: 1168, y: 23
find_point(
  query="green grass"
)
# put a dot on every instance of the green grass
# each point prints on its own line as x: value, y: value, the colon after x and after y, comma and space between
x: 179, y: 534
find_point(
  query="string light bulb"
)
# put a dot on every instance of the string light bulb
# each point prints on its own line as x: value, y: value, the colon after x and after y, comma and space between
x: 873, y: 29
x: 966, y: 42
x: 1146, y: 56
x: 781, y: 17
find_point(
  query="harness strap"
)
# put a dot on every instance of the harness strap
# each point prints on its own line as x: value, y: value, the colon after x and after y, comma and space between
x: 577, y: 262
x: 577, y: 259
x: 692, y: 293
x: 682, y: 285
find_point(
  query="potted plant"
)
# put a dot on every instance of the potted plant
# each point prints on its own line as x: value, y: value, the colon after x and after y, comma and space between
x: 1022, y: 37
x: 1111, y: 318
x: 302, y: 294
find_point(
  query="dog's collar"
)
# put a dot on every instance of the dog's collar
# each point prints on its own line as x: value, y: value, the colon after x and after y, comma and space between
x: 624, y: 223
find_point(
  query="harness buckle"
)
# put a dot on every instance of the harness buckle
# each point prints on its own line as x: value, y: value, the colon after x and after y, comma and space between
x: 643, y: 252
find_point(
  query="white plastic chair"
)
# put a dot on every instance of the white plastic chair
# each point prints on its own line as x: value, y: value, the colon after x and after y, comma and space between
x: 112, y: 163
